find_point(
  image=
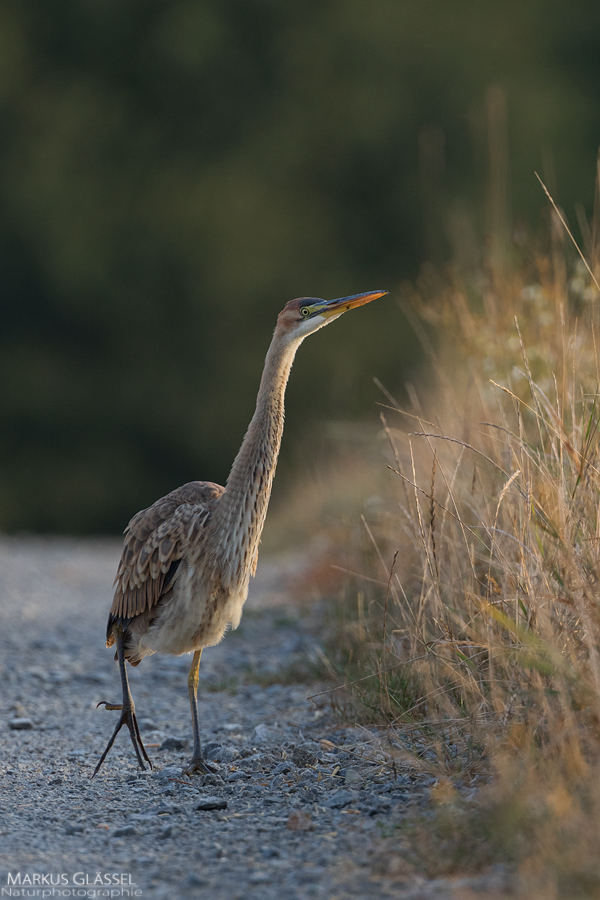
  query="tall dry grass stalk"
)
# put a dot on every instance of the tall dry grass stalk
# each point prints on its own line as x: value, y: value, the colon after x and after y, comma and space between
x: 475, y: 637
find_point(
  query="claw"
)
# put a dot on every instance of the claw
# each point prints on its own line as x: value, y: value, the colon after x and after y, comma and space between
x: 108, y: 705
x: 199, y: 766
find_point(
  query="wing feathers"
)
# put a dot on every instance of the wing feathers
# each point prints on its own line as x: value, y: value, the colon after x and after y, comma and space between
x: 156, y: 540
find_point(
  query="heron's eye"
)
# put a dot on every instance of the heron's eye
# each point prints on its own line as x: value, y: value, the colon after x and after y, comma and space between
x: 305, y: 311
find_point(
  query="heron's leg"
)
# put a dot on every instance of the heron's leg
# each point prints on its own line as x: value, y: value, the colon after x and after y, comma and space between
x: 197, y: 765
x: 127, y: 710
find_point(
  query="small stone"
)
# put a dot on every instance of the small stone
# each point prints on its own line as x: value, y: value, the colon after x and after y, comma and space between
x: 21, y: 724
x: 381, y: 805
x: 73, y: 829
x: 124, y: 831
x: 303, y: 758
x: 226, y: 755
x: 339, y: 799
x: 147, y: 725
x: 282, y: 769
x: 211, y: 780
x: 232, y: 726
x: 166, y: 832
x: 299, y: 820
x: 256, y: 763
x: 166, y: 773
x: 238, y: 776
x: 259, y: 877
x: 210, y: 748
x: 310, y: 746
x: 56, y: 781
x: 173, y: 743
x: 353, y: 777
x: 211, y: 803
x: 194, y: 879
x: 266, y: 734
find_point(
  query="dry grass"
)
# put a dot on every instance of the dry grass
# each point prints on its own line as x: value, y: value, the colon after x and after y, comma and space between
x: 472, y: 630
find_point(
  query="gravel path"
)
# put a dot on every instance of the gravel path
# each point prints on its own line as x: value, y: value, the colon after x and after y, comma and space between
x: 295, y: 811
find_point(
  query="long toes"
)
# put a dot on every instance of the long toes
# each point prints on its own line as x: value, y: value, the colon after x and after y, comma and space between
x: 128, y: 718
x: 136, y: 740
x: 199, y: 767
x: 108, y: 705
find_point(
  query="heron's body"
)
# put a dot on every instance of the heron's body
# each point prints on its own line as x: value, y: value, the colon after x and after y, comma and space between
x: 187, y: 560
x: 163, y: 559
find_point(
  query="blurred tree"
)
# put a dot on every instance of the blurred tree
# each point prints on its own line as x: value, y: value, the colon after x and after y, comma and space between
x: 171, y: 173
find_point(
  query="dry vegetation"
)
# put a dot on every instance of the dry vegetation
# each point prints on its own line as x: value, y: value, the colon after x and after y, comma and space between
x: 472, y: 630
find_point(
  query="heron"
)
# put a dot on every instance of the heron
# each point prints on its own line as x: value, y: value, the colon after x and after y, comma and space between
x: 187, y: 560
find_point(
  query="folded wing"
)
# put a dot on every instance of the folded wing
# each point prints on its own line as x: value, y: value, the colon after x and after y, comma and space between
x: 156, y: 540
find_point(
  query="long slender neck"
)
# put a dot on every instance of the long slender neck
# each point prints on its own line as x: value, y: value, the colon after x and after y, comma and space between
x: 238, y: 520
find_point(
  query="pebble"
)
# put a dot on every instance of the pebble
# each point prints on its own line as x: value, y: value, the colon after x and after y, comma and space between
x: 226, y: 755
x: 302, y: 757
x: 381, y: 805
x: 210, y: 748
x: 354, y: 777
x: 239, y: 775
x: 255, y: 763
x: 124, y: 831
x: 173, y: 743
x: 197, y: 880
x: 310, y: 746
x: 209, y: 803
x: 339, y: 799
x: 213, y: 779
x: 166, y: 773
x: 266, y: 734
x: 299, y: 820
x: 20, y: 724
x: 259, y: 877
x: 147, y: 725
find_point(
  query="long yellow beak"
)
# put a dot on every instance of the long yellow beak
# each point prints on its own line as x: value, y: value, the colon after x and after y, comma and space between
x: 343, y: 304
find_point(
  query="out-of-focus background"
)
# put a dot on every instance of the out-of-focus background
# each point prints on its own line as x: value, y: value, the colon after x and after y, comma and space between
x: 171, y: 173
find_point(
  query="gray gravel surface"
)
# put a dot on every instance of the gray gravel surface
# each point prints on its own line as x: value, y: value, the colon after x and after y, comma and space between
x: 299, y: 803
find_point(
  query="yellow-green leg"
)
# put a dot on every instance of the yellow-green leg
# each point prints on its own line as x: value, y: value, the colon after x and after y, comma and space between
x: 197, y: 764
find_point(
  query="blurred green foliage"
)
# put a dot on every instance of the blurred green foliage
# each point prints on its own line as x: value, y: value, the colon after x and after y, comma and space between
x: 171, y: 173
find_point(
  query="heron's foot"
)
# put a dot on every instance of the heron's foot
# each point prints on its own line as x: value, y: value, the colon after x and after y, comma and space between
x: 199, y: 766
x: 127, y: 718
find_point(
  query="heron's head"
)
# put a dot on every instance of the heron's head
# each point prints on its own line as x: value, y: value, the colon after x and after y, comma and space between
x: 304, y: 315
